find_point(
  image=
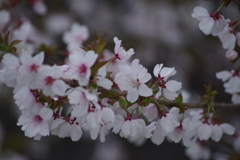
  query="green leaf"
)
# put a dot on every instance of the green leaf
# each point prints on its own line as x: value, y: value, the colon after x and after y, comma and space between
x: 4, y: 48
x: 179, y: 101
x: 51, y: 105
x: 101, y: 46
x: 13, y: 43
x: 108, y: 94
x: 147, y: 101
x: 123, y: 103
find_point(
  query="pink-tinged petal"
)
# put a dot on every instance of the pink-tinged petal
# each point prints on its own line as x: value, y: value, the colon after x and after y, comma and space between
x: 150, y: 112
x: 32, y: 129
x: 76, y: 58
x: 126, y: 128
x: 44, y: 128
x: 65, y: 130
x: 166, y: 125
x: 173, y: 85
x: 158, y: 137
x: 46, y: 113
x: 176, y: 135
x: 74, y: 97
x: 169, y: 95
x: 56, y: 123
x: 157, y: 69
x: 132, y: 95
x: 167, y: 72
x: 103, y: 132
x: 10, y: 61
x: 216, y: 133
x: 199, y: 13
x: 39, y: 58
x: 119, y: 120
x: 227, y: 128
x: 144, y: 90
x: 92, y: 120
x: 145, y: 78
x: 219, y: 25
x: 173, y: 120
x: 105, y: 83
x: 26, y: 58
x: 185, y: 139
x: 59, y: 87
x: 206, y: 25
x: 76, y: 133
x: 223, y: 75
x: 47, y: 90
x: 204, y: 132
x: 108, y: 115
x: 90, y: 58
x: 94, y: 133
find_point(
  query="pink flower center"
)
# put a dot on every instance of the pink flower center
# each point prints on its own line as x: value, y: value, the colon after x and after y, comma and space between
x: 82, y: 69
x: 34, y: 68
x: 235, y: 73
x: 38, y: 119
x: 216, y: 16
x: 78, y: 38
x: 49, y: 80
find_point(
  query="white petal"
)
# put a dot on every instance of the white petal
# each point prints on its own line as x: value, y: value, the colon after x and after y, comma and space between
x: 173, y: 85
x: 76, y: 133
x: 105, y: 83
x: 216, y: 133
x: 59, y: 87
x: 46, y: 113
x: 223, y: 75
x: 204, y: 132
x: 206, y: 25
x: 126, y: 128
x: 169, y: 95
x: 144, y: 90
x: 132, y: 95
x: 157, y: 69
x: 227, y: 128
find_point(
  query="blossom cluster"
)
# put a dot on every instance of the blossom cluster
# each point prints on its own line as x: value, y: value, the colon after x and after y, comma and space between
x: 226, y: 30
x: 98, y: 91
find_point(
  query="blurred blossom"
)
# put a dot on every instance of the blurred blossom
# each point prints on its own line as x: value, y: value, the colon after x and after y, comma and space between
x: 57, y: 23
x: 4, y: 18
x: 110, y: 150
x: 82, y: 7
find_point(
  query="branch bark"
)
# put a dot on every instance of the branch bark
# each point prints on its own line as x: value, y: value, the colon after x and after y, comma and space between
x: 165, y: 102
x: 171, y: 103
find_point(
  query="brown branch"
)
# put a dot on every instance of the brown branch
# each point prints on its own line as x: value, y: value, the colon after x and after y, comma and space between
x: 172, y: 103
x: 168, y: 103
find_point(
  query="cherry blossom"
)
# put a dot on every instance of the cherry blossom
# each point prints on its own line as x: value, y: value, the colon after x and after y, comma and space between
x: 48, y: 79
x: 120, y: 52
x: 134, y: 81
x: 218, y: 130
x: 75, y: 37
x: 228, y: 38
x: 80, y: 66
x: 4, y: 18
x: 197, y: 151
x: 231, y: 55
x: 168, y: 88
x: 209, y: 24
x: 35, y: 122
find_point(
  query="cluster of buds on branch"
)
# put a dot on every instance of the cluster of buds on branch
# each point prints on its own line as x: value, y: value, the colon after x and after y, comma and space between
x: 102, y: 92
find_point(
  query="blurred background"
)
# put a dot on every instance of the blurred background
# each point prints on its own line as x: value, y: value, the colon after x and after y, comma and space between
x: 159, y: 31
